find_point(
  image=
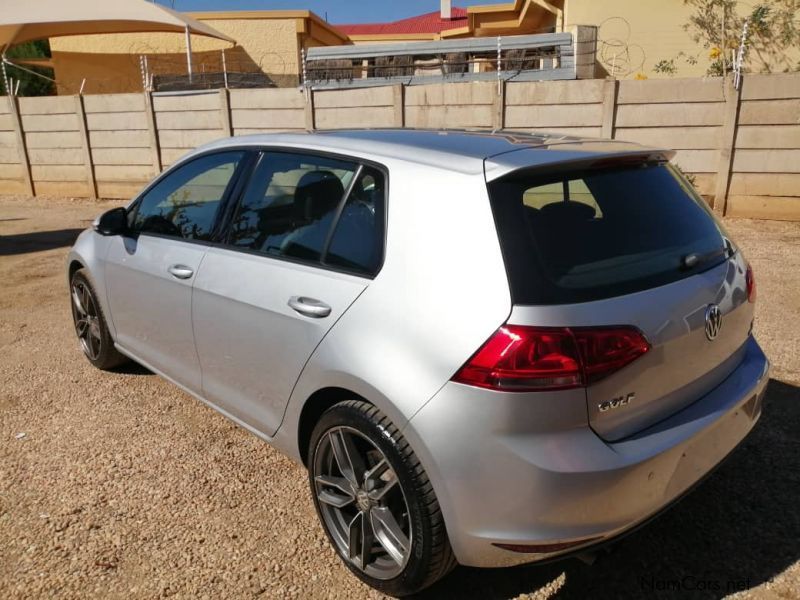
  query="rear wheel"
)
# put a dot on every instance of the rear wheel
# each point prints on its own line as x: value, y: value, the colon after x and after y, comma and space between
x: 375, y: 501
x: 90, y: 324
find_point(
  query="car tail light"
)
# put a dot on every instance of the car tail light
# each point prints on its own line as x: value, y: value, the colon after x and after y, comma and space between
x: 521, y: 358
x: 605, y: 351
x: 750, y: 282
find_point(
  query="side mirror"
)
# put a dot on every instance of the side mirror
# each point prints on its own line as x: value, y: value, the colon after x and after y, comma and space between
x: 112, y: 222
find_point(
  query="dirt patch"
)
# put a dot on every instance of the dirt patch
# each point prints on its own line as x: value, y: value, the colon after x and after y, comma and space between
x: 121, y: 486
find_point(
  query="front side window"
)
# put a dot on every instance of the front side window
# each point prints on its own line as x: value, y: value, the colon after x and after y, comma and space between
x: 290, y: 205
x: 185, y: 203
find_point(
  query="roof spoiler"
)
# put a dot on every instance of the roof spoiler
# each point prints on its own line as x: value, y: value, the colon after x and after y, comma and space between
x: 582, y: 157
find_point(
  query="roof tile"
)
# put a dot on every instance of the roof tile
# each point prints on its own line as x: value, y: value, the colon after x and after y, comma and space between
x: 427, y: 23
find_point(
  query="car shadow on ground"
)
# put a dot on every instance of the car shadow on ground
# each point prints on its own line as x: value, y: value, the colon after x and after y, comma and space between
x: 37, y: 241
x: 737, y: 530
x: 132, y: 368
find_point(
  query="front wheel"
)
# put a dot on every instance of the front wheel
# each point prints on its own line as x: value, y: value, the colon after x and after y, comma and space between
x: 375, y: 501
x: 90, y: 324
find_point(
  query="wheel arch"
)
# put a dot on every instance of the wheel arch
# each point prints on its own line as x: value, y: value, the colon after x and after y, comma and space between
x: 74, y: 265
x: 313, y: 408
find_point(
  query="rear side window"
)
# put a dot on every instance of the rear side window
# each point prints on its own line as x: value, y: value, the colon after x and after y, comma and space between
x: 597, y: 234
x: 290, y: 205
x: 315, y: 209
x: 358, y: 237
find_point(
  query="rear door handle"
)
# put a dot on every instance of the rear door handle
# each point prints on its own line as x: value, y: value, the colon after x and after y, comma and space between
x: 180, y: 271
x: 309, y: 307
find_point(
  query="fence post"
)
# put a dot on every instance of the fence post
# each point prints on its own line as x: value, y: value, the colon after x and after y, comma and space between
x: 399, y: 105
x: 610, y: 92
x: 499, y: 108
x: 150, y: 115
x: 22, y: 146
x: 310, y: 118
x: 726, y: 144
x: 225, y: 110
x: 80, y: 111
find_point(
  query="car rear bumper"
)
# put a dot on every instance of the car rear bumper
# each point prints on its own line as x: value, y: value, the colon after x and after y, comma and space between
x: 500, y: 481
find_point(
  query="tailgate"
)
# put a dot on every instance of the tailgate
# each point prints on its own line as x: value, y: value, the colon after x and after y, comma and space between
x: 683, y: 363
x: 610, y: 245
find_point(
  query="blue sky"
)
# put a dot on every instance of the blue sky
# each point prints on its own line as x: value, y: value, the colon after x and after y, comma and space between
x: 341, y: 11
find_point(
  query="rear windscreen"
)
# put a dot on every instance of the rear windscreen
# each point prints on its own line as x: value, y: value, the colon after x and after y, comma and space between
x: 588, y: 235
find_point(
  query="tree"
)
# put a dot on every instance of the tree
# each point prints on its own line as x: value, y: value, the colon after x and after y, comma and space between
x: 773, y: 30
x: 29, y: 84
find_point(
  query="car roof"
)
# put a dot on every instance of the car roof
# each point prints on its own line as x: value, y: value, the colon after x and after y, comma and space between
x: 453, y: 149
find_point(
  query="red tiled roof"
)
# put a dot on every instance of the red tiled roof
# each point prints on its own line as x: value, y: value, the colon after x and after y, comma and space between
x: 428, y: 23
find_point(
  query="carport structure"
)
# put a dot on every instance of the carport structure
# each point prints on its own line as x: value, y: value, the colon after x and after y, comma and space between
x: 25, y: 22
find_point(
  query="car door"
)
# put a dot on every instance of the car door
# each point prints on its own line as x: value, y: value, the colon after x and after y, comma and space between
x: 304, y: 242
x: 150, y: 271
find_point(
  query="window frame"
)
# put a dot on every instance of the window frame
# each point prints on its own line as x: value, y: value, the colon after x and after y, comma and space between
x: 235, y: 201
x: 241, y: 174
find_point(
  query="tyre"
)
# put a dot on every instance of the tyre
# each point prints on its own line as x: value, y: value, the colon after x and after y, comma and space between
x: 90, y: 324
x: 375, y: 501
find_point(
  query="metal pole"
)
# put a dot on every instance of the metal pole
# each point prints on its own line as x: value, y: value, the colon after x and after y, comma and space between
x: 189, y: 53
x: 5, y: 72
x: 224, y: 69
x: 499, y: 66
x: 722, y: 44
x: 737, y: 75
x: 5, y: 62
x: 141, y: 70
x: 305, y: 73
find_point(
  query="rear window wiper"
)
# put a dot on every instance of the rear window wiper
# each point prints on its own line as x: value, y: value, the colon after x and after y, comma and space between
x: 694, y: 259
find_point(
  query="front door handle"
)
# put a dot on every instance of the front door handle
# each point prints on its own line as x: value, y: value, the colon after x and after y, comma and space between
x: 180, y: 271
x: 309, y: 307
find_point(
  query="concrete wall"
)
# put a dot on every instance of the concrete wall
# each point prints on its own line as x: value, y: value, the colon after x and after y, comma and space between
x: 741, y: 146
x: 13, y: 177
x: 118, y: 129
x: 686, y: 115
x: 765, y: 174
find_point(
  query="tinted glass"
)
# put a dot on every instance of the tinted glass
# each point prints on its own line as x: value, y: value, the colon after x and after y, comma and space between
x: 598, y: 234
x: 185, y: 203
x: 290, y: 205
x: 358, y: 238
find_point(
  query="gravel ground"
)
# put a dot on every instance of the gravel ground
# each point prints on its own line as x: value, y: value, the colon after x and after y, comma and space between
x: 120, y: 485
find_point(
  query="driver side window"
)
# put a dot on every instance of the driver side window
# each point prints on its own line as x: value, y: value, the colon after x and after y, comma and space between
x: 185, y: 203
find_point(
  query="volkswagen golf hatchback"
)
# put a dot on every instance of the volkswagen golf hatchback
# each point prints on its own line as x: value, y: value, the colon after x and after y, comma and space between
x: 487, y: 349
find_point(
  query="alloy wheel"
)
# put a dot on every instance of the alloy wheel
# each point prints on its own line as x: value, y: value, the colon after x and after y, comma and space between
x: 87, y: 320
x: 362, y: 503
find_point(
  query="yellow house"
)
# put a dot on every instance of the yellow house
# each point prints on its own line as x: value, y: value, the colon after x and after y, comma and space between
x: 633, y: 39
x: 633, y: 36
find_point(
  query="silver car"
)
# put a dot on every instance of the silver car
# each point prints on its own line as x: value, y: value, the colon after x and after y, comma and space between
x: 487, y: 349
